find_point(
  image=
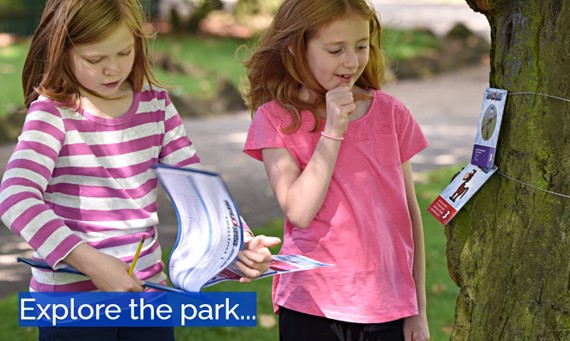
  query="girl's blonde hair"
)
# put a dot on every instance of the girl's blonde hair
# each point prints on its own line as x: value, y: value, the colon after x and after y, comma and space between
x: 278, y: 67
x: 68, y: 23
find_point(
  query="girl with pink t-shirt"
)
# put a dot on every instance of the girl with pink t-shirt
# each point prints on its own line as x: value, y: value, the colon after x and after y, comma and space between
x: 337, y: 153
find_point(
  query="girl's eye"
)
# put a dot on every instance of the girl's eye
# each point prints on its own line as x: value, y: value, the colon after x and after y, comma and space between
x: 94, y: 61
x: 126, y: 53
x: 335, y: 51
x: 363, y: 47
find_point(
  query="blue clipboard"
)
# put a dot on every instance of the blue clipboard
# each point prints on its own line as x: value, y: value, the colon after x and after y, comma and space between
x: 69, y: 269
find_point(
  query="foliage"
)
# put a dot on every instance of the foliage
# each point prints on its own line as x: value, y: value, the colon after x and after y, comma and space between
x: 9, y: 4
x: 19, y: 4
x: 200, y: 12
x: 245, y: 8
x: 205, y: 59
x: 400, y: 45
x: 441, y: 291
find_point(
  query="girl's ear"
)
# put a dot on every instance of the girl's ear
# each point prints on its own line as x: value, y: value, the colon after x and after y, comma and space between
x: 290, y: 49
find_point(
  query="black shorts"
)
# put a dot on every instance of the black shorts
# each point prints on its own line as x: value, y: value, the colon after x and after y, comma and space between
x: 106, y: 334
x: 296, y: 326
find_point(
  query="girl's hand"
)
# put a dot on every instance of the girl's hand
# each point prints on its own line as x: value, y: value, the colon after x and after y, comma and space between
x: 106, y: 272
x: 416, y: 328
x: 339, y: 105
x: 254, y: 259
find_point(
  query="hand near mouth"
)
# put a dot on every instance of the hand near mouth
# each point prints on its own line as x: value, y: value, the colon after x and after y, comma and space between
x: 339, y: 105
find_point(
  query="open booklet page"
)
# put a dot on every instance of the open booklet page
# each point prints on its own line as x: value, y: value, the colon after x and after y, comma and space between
x: 210, y: 232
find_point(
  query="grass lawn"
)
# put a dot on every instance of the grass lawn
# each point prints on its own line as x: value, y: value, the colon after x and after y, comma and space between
x: 11, y: 64
x: 441, y: 291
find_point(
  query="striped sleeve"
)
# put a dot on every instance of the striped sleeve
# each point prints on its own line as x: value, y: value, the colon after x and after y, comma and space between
x: 177, y: 149
x: 29, y: 170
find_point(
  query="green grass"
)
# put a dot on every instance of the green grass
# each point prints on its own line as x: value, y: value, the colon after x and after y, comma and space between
x: 404, y: 44
x: 11, y: 63
x: 441, y: 291
x: 206, y: 59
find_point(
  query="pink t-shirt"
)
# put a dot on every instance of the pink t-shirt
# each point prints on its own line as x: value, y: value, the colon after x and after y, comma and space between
x: 363, y: 226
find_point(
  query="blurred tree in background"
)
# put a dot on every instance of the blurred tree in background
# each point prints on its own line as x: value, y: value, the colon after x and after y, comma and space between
x: 199, y: 10
x: 246, y: 8
x: 9, y: 4
x: 240, y: 11
x: 20, y: 16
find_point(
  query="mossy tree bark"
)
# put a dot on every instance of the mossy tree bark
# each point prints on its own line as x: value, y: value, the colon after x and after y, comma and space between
x: 509, y: 248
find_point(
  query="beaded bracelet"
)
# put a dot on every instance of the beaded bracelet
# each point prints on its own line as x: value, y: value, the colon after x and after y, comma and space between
x: 332, y: 137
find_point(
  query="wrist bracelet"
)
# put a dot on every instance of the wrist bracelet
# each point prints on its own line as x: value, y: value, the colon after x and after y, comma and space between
x: 332, y: 137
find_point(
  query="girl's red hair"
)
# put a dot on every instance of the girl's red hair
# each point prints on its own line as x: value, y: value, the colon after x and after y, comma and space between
x: 278, y: 67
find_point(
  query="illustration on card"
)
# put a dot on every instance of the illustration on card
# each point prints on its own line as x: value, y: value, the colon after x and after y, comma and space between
x: 488, y: 127
x: 463, y: 187
x: 489, y: 122
x: 459, y: 191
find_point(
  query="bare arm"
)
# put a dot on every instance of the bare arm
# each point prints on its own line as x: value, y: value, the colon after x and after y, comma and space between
x: 301, y: 194
x: 416, y: 327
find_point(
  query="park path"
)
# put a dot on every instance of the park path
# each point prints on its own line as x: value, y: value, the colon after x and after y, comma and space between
x: 447, y: 107
x: 437, y: 15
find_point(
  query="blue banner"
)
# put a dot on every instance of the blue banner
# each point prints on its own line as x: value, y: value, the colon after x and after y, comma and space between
x: 146, y: 309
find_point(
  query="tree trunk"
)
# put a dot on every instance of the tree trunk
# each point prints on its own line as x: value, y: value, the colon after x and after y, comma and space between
x: 509, y: 248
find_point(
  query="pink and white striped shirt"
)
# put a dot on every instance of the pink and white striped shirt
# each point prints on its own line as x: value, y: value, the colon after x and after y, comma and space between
x: 75, y: 177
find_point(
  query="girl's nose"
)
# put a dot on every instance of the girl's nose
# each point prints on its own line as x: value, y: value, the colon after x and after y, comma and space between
x: 111, y: 68
x: 351, y: 60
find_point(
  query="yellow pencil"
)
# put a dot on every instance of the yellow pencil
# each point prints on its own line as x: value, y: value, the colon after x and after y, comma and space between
x: 136, y: 257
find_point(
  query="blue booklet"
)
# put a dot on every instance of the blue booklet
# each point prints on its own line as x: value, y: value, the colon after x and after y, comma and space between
x: 40, y: 264
x: 210, y: 234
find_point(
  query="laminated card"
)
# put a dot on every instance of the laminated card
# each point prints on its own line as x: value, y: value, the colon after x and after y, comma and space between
x: 488, y: 127
x: 459, y: 191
